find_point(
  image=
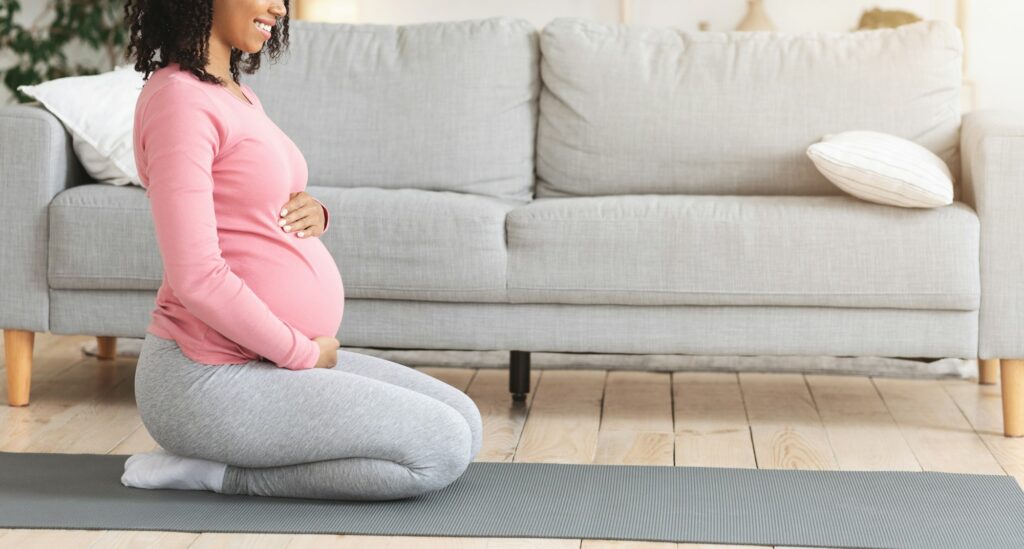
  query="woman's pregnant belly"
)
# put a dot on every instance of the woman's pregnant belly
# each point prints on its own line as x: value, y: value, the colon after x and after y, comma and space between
x: 296, y: 277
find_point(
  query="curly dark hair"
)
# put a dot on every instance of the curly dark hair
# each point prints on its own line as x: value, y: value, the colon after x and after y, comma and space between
x: 180, y: 29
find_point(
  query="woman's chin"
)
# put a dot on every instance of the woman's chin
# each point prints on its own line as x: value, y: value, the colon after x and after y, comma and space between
x: 252, y: 47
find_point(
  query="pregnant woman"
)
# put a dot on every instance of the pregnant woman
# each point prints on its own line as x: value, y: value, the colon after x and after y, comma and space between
x: 240, y: 378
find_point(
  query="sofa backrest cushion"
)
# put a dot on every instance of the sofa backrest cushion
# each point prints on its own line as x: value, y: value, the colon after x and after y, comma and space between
x: 641, y: 109
x: 447, y: 106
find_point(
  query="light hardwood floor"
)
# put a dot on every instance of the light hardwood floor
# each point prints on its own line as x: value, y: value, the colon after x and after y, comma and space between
x: 790, y: 421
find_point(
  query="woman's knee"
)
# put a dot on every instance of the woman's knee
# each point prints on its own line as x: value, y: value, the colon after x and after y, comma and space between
x: 441, y: 459
x: 471, y: 415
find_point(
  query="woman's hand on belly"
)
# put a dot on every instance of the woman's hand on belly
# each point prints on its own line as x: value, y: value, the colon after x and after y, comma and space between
x: 328, y: 351
x: 302, y: 215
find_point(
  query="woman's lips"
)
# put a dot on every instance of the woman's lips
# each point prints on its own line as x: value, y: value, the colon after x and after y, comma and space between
x: 266, y: 35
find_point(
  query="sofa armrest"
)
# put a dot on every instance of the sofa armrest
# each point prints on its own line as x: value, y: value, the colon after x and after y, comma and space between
x: 992, y: 150
x: 37, y: 161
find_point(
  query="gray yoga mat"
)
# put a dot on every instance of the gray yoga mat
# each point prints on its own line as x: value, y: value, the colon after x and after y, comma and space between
x: 862, y: 509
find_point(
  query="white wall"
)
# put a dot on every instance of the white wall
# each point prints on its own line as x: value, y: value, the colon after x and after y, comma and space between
x: 996, y: 61
x: 995, y: 38
x: 721, y: 14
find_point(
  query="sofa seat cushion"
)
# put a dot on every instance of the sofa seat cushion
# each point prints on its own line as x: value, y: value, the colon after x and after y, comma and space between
x: 388, y: 243
x: 418, y: 244
x: 742, y: 250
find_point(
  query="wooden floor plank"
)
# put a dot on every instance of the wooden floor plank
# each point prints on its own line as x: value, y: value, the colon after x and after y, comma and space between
x: 787, y: 430
x: 982, y: 405
x: 222, y: 540
x: 711, y: 421
x: 533, y: 543
x: 38, y: 538
x: 636, y: 421
x: 503, y: 419
x: 564, y: 418
x: 624, y: 544
x: 638, y: 401
x: 137, y: 441
x: 144, y: 538
x: 338, y: 541
x: 59, y: 404
x: 862, y: 433
x: 95, y: 425
x: 429, y: 542
x: 937, y: 431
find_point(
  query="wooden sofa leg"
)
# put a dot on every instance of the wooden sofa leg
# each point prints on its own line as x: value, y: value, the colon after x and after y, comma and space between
x: 18, y: 353
x: 988, y: 371
x: 106, y: 347
x: 1012, y: 378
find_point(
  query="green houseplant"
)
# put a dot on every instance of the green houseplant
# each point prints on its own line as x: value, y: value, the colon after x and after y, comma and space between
x: 39, y: 48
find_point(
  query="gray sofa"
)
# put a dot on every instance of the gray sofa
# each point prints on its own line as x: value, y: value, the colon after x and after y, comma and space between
x: 582, y: 188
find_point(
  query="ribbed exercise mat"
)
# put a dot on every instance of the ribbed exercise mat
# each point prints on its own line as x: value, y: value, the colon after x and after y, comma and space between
x: 548, y: 500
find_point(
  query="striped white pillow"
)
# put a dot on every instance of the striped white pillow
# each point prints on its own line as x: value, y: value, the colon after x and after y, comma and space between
x: 883, y: 168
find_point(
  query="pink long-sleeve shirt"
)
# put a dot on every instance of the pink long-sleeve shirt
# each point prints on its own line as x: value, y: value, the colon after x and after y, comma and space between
x: 217, y: 172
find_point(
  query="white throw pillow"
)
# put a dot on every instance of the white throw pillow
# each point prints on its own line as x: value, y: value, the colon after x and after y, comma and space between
x: 98, y: 110
x: 883, y: 168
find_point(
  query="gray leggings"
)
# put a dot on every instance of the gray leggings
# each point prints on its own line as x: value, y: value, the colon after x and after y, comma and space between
x: 367, y: 429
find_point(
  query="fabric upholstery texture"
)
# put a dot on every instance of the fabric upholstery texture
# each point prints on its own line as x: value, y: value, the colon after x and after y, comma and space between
x: 553, y: 327
x: 640, y: 109
x: 993, y: 149
x: 444, y: 106
x: 37, y: 162
x: 824, y: 251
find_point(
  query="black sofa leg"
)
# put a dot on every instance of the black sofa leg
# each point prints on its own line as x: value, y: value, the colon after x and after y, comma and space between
x: 519, y: 375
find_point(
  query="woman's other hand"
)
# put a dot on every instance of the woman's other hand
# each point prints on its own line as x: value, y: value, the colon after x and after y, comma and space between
x: 302, y: 215
x: 328, y: 351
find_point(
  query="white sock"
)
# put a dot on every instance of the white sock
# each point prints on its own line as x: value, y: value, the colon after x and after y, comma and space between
x: 162, y: 469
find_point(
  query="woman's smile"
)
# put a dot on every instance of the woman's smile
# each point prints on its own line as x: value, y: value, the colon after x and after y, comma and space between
x: 263, y: 28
